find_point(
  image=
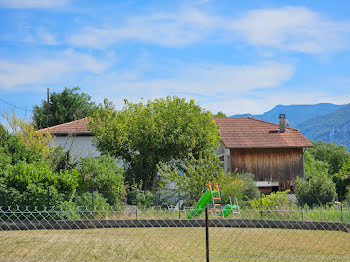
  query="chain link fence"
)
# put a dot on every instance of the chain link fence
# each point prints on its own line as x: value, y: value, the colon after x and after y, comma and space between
x: 156, y: 234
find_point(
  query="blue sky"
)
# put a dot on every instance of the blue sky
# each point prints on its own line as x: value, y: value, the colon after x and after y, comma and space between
x: 230, y: 56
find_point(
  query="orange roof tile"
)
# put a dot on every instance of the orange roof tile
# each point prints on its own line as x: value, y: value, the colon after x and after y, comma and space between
x: 254, y: 133
x: 78, y: 127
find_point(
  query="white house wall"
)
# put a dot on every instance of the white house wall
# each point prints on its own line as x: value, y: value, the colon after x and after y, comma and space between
x: 79, y: 146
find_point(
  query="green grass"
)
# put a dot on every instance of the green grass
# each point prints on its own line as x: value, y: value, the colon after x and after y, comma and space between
x: 313, y: 215
x: 175, y: 244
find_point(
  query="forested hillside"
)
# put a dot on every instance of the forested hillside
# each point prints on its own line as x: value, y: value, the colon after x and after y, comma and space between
x: 296, y: 114
x: 332, y: 127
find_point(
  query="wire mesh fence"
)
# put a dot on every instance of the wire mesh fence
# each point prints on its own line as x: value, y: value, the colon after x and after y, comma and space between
x: 156, y: 234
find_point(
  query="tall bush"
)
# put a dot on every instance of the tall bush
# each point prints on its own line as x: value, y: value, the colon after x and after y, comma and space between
x: 316, y: 190
x: 239, y: 186
x: 103, y: 174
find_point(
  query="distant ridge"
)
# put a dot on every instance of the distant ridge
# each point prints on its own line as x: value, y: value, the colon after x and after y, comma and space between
x: 296, y: 114
x: 333, y: 127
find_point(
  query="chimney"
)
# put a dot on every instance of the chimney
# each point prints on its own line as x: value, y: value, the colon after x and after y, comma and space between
x: 282, y: 118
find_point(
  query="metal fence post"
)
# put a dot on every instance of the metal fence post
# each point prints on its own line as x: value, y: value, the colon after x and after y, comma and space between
x: 92, y: 200
x: 341, y: 211
x: 261, y: 208
x: 206, y: 232
x: 48, y: 198
x: 179, y: 206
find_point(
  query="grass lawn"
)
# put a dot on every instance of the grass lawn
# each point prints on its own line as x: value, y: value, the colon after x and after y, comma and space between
x: 175, y: 244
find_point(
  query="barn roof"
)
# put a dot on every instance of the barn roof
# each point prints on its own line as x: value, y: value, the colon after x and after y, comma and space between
x: 254, y: 133
x: 78, y: 127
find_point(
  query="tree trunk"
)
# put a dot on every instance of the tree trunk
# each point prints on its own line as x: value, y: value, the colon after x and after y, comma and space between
x: 154, y: 178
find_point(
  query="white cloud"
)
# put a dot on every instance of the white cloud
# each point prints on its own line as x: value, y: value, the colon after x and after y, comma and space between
x: 292, y: 28
x: 46, y: 37
x: 289, y: 28
x: 32, y: 3
x: 42, y: 37
x: 167, y: 29
x: 206, y: 82
x: 43, y: 70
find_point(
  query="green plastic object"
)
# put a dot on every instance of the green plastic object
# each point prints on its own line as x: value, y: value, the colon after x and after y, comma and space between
x: 228, y: 209
x: 200, y: 207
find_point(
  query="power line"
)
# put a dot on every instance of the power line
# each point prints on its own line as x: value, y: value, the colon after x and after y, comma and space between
x: 14, y: 106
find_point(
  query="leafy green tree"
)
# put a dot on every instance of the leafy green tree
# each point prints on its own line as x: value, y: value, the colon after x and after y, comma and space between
x: 342, y: 179
x: 192, y: 175
x: 331, y: 160
x: 314, y: 167
x: 69, y: 105
x: 144, y: 135
x: 103, y: 174
x: 27, y: 135
x: 14, y: 150
x: 219, y: 114
x: 334, y: 155
x: 26, y: 178
x: 316, y: 190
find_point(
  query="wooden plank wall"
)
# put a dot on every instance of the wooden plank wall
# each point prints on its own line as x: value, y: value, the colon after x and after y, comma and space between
x: 270, y: 164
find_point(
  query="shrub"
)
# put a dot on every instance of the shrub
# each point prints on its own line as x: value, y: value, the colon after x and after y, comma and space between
x: 317, y: 190
x: 103, y: 174
x: 250, y: 191
x: 92, y: 201
x: 239, y: 186
x: 274, y: 201
x: 342, y: 179
x: 35, y: 185
x: 139, y: 197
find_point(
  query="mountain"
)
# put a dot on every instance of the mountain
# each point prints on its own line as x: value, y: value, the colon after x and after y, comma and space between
x: 296, y: 114
x: 332, y: 127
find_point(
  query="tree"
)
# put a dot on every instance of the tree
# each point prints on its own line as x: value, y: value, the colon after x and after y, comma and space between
x: 144, y: 135
x: 334, y: 155
x: 329, y: 159
x: 219, y: 114
x: 342, y: 179
x: 192, y: 175
x: 63, y: 107
x: 26, y: 178
x: 314, y: 167
x: 103, y: 174
x: 27, y: 135
x: 317, y: 190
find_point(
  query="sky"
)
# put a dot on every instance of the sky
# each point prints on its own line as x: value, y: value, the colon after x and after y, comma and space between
x: 230, y: 56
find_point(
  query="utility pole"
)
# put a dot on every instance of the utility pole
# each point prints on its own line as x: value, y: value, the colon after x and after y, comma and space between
x: 48, y: 107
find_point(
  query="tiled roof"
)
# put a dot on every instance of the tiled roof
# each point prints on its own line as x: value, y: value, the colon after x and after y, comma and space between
x: 254, y: 133
x: 78, y: 127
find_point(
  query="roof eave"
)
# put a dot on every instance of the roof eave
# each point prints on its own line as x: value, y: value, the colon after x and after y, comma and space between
x: 73, y: 134
x: 251, y: 147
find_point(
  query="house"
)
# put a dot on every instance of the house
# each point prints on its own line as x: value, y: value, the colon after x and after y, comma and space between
x: 273, y: 153
x: 74, y: 136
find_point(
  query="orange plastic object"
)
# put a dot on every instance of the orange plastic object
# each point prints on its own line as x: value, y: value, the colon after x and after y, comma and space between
x: 216, y: 187
x: 209, y: 186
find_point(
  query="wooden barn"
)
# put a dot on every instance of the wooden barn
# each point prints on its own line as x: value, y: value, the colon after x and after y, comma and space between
x: 273, y: 153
